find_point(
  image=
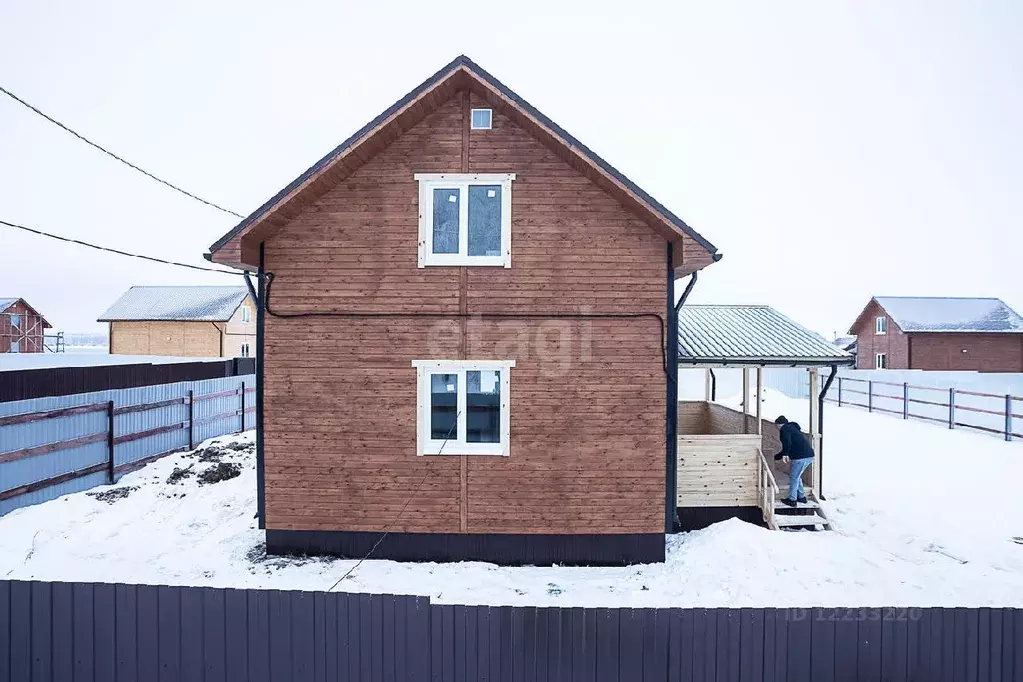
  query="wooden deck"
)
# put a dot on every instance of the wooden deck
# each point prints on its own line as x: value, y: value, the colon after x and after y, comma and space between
x: 720, y: 466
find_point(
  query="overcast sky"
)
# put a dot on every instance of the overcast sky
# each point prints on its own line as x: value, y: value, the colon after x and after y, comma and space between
x: 832, y: 151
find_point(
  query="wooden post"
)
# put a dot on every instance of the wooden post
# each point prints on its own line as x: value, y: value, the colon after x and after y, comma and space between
x: 870, y: 396
x: 1008, y: 417
x: 706, y: 384
x: 905, y: 400
x: 951, y: 408
x: 745, y: 399
x: 110, y: 441
x: 815, y: 470
x: 191, y: 419
x: 840, y: 391
x: 243, y: 407
x: 760, y: 401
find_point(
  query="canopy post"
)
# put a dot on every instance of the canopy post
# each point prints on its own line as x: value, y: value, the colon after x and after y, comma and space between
x: 745, y: 400
x: 815, y: 439
x: 706, y: 383
x: 760, y: 401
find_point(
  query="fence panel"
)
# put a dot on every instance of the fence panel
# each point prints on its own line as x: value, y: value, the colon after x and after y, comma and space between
x: 58, y: 445
x: 60, y: 631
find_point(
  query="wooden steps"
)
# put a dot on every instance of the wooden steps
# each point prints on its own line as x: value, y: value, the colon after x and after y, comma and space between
x: 800, y: 520
x: 781, y: 506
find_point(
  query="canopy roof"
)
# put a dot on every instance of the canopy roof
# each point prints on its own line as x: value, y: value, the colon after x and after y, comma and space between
x: 750, y: 335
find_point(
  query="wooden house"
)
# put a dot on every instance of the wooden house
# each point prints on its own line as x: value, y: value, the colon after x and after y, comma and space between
x: 183, y: 321
x: 21, y: 327
x: 950, y: 334
x: 467, y: 323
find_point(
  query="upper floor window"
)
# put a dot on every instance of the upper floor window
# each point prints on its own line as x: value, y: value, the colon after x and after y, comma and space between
x: 15, y: 320
x: 881, y: 361
x: 246, y: 314
x: 482, y: 119
x: 465, y: 219
x: 880, y: 325
x: 245, y: 350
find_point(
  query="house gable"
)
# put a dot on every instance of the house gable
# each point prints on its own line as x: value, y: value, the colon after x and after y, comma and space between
x: 239, y: 247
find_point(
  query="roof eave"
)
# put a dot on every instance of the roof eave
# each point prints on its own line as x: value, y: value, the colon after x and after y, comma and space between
x: 770, y: 361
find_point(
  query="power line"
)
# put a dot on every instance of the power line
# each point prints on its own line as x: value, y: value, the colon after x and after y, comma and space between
x: 117, y: 251
x: 115, y: 156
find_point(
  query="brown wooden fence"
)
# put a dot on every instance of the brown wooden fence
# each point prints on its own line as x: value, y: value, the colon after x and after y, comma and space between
x: 905, y: 400
x: 84, y: 632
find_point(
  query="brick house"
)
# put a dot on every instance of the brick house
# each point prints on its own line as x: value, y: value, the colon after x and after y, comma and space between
x: 21, y: 327
x: 467, y: 320
x: 969, y: 334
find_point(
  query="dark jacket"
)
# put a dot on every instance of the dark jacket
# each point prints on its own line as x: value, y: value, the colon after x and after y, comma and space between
x: 793, y: 442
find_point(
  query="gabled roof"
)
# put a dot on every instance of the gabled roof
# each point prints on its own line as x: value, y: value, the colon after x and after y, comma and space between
x: 7, y: 302
x: 947, y: 314
x: 750, y: 335
x: 191, y: 304
x: 461, y: 73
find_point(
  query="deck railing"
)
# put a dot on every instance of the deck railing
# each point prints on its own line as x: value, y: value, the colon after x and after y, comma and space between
x: 948, y: 406
x: 768, y: 491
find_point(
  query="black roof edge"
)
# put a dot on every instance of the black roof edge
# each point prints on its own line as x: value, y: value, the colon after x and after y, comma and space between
x: 463, y: 60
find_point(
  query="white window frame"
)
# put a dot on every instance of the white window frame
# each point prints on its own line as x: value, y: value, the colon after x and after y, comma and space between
x: 880, y: 325
x: 245, y: 350
x: 880, y: 360
x: 462, y: 181
x: 472, y: 119
x: 246, y: 315
x: 457, y: 445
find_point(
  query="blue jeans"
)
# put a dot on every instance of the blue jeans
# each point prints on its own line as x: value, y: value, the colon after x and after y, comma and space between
x: 796, y: 469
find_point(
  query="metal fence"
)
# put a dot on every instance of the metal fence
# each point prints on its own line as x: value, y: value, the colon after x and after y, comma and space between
x: 58, y: 445
x: 952, y: 407
x: 24, y: 384
x: 97, y: 632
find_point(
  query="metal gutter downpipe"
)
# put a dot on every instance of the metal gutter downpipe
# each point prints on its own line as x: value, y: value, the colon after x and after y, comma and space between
x: 671, y: 521
x: 820, y: 424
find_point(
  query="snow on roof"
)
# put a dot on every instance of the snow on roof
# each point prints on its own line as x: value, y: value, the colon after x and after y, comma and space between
x: 926, y: 314
x: 6, y: 303
x: 203, y: 304
x: 737, y: 334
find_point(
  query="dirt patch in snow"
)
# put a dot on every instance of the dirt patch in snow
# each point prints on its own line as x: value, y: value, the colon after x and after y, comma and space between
x: 223, y: 471
x: 215, y: 452
x: 113, y: 495
x: 179, y: 475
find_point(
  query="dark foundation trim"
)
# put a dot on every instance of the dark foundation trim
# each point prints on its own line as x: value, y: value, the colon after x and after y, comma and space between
x: 695, y: 518
x: 505, y: 549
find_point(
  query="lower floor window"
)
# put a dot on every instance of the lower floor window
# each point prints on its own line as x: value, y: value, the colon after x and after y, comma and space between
x: 245, y: 350
x: 881, y: 361
x: 462, y: 407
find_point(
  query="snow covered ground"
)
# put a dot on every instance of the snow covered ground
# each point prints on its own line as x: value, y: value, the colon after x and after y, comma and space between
x: 924, y: 516
x: 77, y: 356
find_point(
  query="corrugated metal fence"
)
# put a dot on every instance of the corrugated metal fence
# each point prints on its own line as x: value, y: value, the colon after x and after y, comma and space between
x: 63, y: 444
x: 94, y: 632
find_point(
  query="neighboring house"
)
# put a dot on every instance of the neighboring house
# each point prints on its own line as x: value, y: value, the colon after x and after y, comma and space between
x: 465, y: 328
x: 197, y: 321
x: 21, y: 327
x: 979, y: 334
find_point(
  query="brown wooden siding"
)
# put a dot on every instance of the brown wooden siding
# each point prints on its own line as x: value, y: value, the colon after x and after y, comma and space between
x: 587, y: 396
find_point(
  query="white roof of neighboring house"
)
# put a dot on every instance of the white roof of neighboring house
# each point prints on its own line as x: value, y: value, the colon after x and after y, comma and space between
x: 193, y: 304
x: 925, y: 314
x: 750, y: 334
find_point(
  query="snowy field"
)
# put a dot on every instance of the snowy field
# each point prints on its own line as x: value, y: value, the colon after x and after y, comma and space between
x: 84, y: 356
x: 924, y: 517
